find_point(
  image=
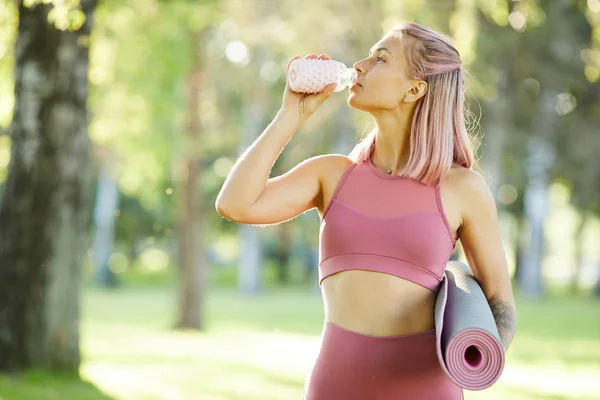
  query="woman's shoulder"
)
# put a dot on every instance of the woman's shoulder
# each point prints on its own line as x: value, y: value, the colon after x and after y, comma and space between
x: 328, y: 166
x: 333, y: 166
x: 336, y: 161
x: 456, y: 177
x: 465, y: 179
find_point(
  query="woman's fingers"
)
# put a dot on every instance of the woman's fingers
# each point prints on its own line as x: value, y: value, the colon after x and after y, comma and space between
x: 292, y: 59
x: 289, y: 63
x: 316, y: 56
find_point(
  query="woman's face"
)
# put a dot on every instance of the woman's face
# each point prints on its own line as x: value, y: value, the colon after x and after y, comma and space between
x: 383, y: 79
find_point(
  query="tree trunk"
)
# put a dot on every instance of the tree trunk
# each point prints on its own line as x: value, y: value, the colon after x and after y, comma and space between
x: 283, y: 253
x: 190, y: 240
x: 520, y: 240
x: 249, y: 271
x: 579, y: 256
x: 44, y: 212
x: 596, y: 291
x: 495, y: 137
x: 253, y: 118
x: 107, y: 200
x: 536, y: 196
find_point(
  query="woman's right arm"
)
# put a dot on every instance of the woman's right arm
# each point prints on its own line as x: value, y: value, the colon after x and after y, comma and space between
x: 248, y: 195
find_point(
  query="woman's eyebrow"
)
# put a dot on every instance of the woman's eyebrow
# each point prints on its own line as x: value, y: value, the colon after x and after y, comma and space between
x: 381, y: 49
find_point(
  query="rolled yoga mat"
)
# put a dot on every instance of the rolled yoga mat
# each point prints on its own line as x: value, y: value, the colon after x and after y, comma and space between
x: 467, y: 340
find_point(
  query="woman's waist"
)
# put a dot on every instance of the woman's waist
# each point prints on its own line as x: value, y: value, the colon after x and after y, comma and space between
x: 377, y: 304
x: 380, y: 321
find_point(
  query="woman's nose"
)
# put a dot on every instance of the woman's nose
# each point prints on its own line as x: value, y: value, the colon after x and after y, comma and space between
x: 358, y: 67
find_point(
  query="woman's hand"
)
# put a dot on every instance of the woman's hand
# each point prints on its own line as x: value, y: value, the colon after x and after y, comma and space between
x: 304, y: 104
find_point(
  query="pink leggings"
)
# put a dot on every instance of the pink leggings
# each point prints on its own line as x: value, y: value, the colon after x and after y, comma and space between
x: 353, y: 366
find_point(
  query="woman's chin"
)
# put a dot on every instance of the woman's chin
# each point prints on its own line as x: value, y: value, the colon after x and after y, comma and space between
x: 354, y: 103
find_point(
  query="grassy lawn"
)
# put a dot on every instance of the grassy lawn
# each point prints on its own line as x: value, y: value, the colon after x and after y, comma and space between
x: 261, y: 348
x: 36, y: 385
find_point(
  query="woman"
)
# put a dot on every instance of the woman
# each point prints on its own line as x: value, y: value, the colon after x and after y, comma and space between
x: 391, y: 213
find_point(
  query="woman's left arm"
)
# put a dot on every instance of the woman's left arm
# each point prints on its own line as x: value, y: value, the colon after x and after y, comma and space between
x: 480, y: 238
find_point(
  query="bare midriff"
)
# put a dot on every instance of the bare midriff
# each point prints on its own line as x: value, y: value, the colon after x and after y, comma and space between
x: 377, y: 304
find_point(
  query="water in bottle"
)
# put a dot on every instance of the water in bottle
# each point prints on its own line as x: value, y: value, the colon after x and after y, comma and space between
x: 312, y: 75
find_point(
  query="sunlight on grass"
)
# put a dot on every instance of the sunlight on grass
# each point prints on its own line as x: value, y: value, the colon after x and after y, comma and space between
x: 174, y: 365
x: 263, y: 347
x: 140, y: 357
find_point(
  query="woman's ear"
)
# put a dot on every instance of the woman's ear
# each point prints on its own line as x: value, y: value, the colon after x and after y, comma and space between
x: 417, y: 91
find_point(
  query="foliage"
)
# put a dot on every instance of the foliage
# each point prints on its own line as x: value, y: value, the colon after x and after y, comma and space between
x: 140, y: 59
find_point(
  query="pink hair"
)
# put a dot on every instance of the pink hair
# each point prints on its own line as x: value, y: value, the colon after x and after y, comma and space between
x: 438, y: 135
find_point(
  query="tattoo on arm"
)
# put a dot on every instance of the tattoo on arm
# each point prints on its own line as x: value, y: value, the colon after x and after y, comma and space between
x: 506, y: 320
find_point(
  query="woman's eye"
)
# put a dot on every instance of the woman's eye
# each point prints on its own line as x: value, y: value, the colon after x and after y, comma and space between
x: 379, y: 58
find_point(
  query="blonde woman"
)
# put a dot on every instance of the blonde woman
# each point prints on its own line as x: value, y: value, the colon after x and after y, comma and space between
x: 391, y: 213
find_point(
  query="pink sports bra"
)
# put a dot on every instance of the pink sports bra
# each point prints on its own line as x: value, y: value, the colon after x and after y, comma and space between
x: 385, y: 223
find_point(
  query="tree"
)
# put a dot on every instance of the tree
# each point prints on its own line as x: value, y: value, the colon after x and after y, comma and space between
x: 107, y: 201
x: 191, y: 249
x: 192, y: 260
x: 44, y: 210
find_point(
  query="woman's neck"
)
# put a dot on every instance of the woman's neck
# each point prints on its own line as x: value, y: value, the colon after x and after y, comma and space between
x: 392, y: 143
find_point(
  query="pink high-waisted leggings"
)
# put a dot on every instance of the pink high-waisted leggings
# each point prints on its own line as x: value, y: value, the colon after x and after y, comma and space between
x: 353, y: 366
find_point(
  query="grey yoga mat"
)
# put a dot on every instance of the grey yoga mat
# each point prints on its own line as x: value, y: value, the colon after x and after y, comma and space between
x: 467, y: 339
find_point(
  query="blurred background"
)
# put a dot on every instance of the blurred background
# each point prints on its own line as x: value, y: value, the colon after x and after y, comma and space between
x: 120, y: 119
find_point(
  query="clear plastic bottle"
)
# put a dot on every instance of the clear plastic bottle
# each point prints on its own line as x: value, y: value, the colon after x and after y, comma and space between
x: 312, y: 75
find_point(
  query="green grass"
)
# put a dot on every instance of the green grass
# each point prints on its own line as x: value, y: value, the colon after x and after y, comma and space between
x: 262, y: 347
x: 35, y: 385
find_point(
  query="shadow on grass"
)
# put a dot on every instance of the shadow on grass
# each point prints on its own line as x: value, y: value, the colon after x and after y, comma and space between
x: 530, y: 350
x: 43, y: 385
x: 533, y: 394
x: 561, y: 328
x: 559, y: 318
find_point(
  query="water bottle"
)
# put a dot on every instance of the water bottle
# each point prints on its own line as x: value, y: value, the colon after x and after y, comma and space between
x: 308, y: 75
